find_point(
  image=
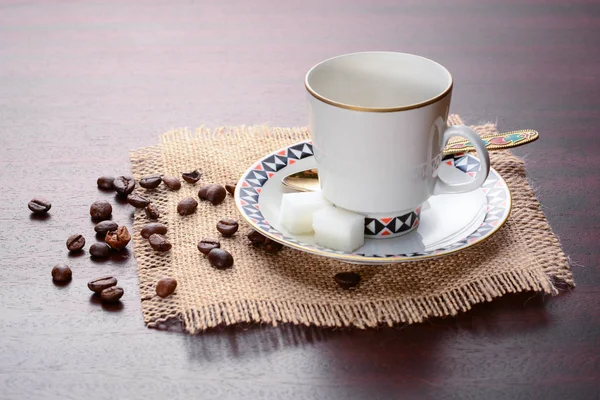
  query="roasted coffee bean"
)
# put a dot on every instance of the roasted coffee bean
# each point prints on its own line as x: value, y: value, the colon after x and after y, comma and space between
x: 191, y: 177
x: 256, y: 238
x: 152, y: 211
x: 99, y: 284
x: 119, y: 238
x: 124, y: 185
x: 171, y: 182
x: 105, y: 182
x: 100, y: 250
x: 187, y: 206
x: 166, y: 286
x: 111, y: 294
x: 152, y: 228
x: 213, y: 193
x: 137, y: 201
x: 202, y: 192
x: 272, y: 246
x: 159, y: 243
x: 227, y: 227
x: 347, y: 280
x: 230, y: 187
x: 75, y: 242
x: 220, y: 259
x: 61, y: 273
x: 216, y: 194
x: 105, y: 226
x: 206, y: 245
x: 100, y: 210
x: 39, y: 205
x: 150, y: 182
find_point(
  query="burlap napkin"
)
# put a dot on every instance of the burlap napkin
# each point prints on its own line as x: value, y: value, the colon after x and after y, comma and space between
x: 298, y: 288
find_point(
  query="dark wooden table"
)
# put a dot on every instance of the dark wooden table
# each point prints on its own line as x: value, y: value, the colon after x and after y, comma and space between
x: 82, y: 83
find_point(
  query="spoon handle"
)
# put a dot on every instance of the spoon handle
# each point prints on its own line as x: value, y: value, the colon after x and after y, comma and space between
x: 495, y: 142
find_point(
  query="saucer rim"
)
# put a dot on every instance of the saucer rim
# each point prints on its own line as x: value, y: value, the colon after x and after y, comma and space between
x: 354, y: 258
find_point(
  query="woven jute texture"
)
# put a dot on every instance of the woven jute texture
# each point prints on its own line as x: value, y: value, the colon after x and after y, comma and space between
x: 295, y: 287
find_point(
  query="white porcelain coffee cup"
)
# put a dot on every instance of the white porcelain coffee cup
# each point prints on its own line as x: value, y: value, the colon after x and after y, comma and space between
x: 378, y: 125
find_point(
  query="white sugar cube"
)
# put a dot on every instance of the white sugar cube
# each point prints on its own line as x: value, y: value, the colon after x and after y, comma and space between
x: 339, y: 229
x: 297, y: 211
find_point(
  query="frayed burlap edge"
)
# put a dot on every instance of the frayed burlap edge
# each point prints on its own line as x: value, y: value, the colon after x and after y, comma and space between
x: 551, y: 264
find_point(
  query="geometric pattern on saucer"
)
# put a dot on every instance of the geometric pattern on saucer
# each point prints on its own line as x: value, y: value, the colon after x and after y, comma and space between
x: 251, y: 183
x: 392, y: 226
x: 468, y: 165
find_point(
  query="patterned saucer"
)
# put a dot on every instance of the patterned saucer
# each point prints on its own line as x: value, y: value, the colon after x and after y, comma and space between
x: 449, y: 223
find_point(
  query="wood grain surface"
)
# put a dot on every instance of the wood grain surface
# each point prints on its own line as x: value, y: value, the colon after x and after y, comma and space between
x: 82, y: 83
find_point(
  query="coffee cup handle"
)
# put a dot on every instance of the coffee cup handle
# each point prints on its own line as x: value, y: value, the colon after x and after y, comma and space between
x: 442, y: 186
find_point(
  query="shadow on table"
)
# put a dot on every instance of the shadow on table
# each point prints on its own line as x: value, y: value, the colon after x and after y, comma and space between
x: 40, y: 217
x: 504, y: 318
x: 251, y: 341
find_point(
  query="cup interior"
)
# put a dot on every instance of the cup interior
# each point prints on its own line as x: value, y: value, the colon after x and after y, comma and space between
x: 378, y: 80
